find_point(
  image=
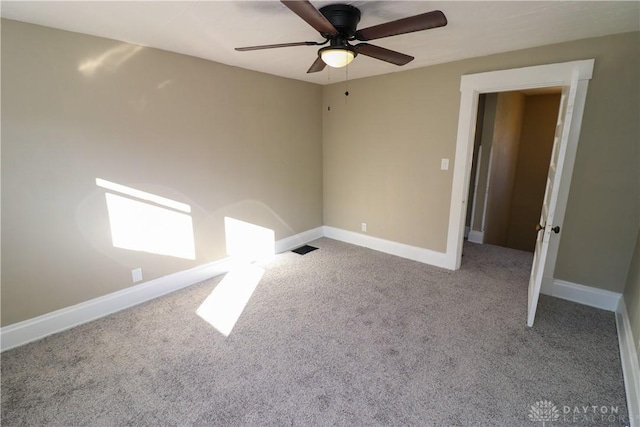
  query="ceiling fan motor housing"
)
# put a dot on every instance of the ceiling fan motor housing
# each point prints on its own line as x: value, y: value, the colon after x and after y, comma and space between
x: 337, y: 24
x: 343, y: 17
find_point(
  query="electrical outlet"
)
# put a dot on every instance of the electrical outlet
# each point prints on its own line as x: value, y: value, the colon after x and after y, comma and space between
x: 363, y: 227
x: 444, y: 164
x: 136, y: 275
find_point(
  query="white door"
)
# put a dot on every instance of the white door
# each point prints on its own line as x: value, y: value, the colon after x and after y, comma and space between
x: 546, y: 226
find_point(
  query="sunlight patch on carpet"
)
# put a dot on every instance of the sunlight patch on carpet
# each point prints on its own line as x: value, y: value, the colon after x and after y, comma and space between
x: 224, y: 306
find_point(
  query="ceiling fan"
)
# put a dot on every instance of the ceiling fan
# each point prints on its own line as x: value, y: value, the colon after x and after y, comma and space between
x: 337, y: 23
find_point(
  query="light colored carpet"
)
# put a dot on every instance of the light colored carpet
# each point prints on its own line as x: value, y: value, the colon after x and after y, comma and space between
x: 340, y: 336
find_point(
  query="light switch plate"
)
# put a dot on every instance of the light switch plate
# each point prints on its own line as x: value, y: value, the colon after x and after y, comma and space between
x: 444, y: 164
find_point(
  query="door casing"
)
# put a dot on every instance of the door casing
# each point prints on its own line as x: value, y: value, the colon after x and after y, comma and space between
x: 471, y: 86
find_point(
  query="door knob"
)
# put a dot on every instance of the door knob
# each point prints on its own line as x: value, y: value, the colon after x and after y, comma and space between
x: 556, y: 229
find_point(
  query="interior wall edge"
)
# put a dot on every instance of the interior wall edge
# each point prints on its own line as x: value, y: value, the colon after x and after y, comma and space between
x: 630, y: 365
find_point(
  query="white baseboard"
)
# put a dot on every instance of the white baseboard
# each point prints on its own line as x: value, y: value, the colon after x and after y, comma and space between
x: 387, y: 246
x: 300, y: 239
x: 39, y: 327
x: 586, y: 295
x: 57, y: 321
x: 630, y: 368
x: 476, y: 236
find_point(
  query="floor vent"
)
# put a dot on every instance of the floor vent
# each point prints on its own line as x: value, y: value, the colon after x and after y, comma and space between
x: 303, y: 250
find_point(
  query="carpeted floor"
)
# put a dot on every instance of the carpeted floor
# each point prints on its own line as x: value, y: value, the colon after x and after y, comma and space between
x: 340, y: 336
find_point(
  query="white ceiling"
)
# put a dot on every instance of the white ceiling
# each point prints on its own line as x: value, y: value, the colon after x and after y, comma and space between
x: 211, y: 29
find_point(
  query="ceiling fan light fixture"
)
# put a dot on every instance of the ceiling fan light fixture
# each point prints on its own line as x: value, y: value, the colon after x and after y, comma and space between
x: 337, y: 57
x: 338, y: 25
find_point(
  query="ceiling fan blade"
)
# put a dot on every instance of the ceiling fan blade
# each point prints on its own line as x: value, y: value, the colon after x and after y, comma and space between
x: 383, y: 54
x: 273, y: 46
x: 411, y: 24
x: 311, y: 16
x: 318, y: 65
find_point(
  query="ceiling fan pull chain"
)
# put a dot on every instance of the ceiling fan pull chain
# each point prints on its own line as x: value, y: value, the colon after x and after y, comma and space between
x: 346, y: 84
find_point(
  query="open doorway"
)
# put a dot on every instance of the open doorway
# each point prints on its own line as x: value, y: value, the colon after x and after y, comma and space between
x: 511, y: 155
x: 574, y: 75
x: 574, y: 78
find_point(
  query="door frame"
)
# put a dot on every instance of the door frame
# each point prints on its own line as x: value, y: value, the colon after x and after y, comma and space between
x: 471, y: 86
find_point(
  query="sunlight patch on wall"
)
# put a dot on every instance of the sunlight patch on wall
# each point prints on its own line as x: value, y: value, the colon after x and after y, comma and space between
x: 163, y: 84
x: 110, y: 60
x: 141, y: 226
x: 143, y: 195
x: 248, y: 242
x: 225, y: 304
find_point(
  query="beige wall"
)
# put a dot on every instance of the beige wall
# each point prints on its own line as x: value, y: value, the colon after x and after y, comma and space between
x: 382, y: 159
x: 233, y: 142
x: 383, y: 145
x: 504, y: 161
x: 534, y: 154
x: 75, y: 108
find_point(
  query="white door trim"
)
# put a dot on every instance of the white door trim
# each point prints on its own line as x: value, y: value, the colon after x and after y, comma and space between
x: 475, y: 193
x: 471, y: 86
